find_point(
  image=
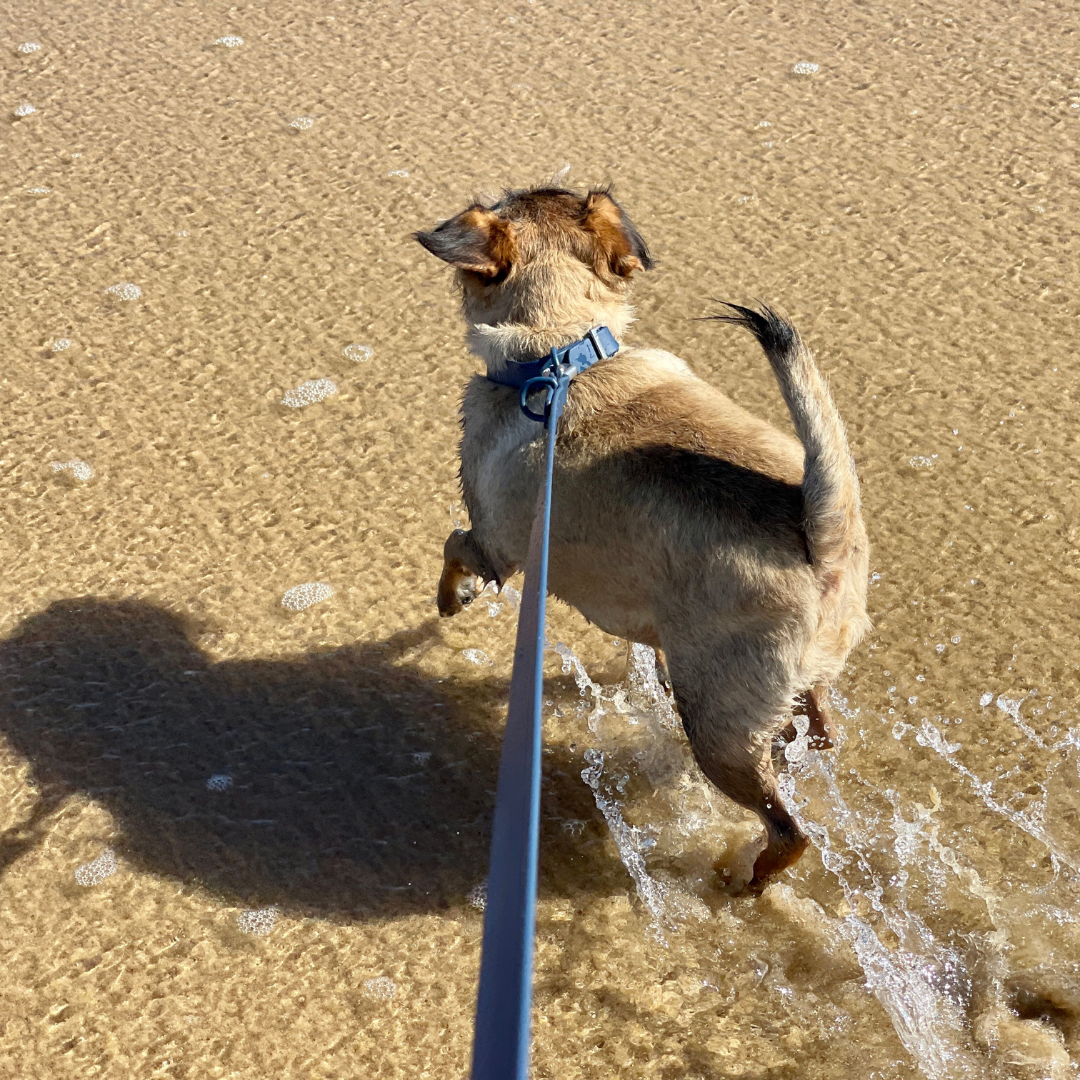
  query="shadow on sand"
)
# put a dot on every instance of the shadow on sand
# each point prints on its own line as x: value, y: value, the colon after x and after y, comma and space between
x: 359, y: 787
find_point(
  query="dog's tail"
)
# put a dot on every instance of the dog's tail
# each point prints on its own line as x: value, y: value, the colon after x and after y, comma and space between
x: 830, y: 485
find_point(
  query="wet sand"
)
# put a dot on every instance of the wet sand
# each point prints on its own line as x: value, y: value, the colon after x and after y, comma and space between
x: 297, y: 800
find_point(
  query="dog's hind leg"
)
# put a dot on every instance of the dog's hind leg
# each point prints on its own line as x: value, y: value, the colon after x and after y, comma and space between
x: 731, y: 745
x: 466, y: 569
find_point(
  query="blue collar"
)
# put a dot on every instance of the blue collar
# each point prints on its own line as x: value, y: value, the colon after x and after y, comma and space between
x: 598, y: 344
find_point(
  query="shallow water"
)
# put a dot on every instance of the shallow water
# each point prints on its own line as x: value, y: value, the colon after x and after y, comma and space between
x: 246, y: 774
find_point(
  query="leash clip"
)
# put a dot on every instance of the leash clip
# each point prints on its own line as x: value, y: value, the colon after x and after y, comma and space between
x: 561, y: 366
x: 552, y: 385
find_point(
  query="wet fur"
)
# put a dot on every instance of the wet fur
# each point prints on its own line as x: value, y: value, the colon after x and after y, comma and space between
x: 679, y: 519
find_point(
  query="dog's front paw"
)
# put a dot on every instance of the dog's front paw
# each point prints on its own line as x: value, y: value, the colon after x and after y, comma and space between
x: 457, y: 593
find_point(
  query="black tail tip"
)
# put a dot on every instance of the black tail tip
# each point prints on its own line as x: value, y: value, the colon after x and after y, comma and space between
x: 773, y: 331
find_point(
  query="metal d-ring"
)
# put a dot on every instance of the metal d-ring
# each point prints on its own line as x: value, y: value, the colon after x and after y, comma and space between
x: 541, y: 380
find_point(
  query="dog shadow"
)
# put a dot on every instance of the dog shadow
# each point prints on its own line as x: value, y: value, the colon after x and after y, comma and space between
x: 343, y: 784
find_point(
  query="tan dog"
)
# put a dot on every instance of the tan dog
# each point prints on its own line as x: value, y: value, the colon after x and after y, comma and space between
x: 679, y: 520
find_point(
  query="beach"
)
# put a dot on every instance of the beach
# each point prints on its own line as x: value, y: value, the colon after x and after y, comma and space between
x: 247, y: 773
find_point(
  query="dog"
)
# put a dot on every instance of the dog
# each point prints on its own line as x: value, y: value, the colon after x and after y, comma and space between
x: 679, y: 519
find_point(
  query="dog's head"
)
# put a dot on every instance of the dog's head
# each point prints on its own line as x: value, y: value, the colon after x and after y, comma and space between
x: 540, y: 267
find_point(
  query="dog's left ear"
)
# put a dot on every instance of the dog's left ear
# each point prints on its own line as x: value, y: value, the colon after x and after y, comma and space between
x: 477, y: 240
x: 619, y: 245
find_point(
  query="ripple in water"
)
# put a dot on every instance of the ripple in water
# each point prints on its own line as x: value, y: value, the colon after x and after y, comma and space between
x: 303, y: 596
x: 96, y: 871
x: 257, y: 922
x: 307, y: 393
x: 76, y: 466
x: 124, y: 290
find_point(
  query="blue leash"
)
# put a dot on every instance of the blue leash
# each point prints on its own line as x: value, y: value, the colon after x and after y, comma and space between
x: 501, y: 1043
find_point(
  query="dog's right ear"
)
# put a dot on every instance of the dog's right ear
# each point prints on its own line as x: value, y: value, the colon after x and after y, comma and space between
x: 477, y: 240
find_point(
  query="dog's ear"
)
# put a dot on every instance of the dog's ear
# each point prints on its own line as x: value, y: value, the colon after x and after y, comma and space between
x: 618, y: 244
x: 477, y: 240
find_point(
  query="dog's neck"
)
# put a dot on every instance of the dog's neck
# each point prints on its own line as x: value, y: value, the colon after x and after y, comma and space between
x: 496, y: 344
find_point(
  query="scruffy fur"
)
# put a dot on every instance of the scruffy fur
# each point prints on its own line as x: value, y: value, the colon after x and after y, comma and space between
x: 679, y: 519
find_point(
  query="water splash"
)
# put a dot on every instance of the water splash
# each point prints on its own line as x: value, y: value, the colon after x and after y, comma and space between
x: 896, y: 869
x: 642, y: 703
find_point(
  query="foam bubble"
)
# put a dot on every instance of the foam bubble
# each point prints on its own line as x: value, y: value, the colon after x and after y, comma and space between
x: 359, y: 353
x: 986, y: 699
x: 307, y: 393
x: 302, y: 123
x: 380, y: 988
x: 25, y: 109
x: 230, y: 41
x: 28, y: 47
x: 39, y: 191
x: 96, y: 871
x: 258, y: 922
x: 477, y: 656
x: 303, y: 596
x: 219, y: 782
x: 805, y: 67
x: 398, y: 172
x: 478, y: 895
x: 60, y: 344
x: 76, y: 466
x: 124, y: 290
x: 920, y: 462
